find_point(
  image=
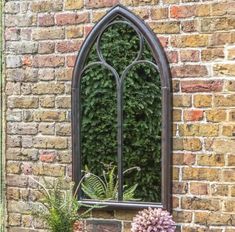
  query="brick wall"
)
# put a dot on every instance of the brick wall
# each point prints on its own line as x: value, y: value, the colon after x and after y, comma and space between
x: 41, y: 42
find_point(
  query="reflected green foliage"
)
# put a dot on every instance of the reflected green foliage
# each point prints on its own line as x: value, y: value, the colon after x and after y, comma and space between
x: 142, y: 112
x: 105, y: 187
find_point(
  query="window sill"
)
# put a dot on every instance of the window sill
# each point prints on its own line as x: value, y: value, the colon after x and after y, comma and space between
x: 111, y: 205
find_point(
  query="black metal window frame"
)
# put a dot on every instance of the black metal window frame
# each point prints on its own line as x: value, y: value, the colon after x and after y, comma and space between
x: 162, y: 66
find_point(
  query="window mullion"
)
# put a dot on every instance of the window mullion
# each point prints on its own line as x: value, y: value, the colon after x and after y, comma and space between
x: 120, y: 140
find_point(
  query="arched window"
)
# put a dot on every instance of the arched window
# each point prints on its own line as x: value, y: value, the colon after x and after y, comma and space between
x: 121, y: 114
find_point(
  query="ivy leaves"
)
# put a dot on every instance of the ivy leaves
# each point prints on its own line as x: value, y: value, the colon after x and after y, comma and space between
x: 141, y: 112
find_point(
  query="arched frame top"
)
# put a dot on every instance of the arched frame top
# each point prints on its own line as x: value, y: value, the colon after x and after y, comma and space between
x: 165, y: 75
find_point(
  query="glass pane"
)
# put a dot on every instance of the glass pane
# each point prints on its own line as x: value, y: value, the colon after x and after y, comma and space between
x: 119, y: 45
x: 142, y: 132
x: 98, y: 128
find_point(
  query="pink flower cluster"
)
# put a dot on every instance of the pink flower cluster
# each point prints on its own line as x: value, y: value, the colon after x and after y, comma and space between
x: 153, y: 220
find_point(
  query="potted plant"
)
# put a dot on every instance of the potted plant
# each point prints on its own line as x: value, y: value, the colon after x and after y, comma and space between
x: 60, y: 208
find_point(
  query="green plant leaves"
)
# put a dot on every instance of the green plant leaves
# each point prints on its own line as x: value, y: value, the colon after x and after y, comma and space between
x: 141, y: 113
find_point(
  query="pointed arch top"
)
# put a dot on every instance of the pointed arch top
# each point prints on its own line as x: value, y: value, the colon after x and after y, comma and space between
x: 154, y: 43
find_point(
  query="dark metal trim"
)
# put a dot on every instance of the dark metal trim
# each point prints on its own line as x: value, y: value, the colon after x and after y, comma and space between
x: 165, y: 75
x: 121, y: 204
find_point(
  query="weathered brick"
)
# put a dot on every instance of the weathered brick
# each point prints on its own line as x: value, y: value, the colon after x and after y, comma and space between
x: 228, y: 175
x: 142, y: 13
x: 215, y: 160
x: 46, y: 128
x: 209, y: 174
x: 198, y: 188
x: 189, y: 56
x: 12, y: 34
x: 196, y: 40
x: 20, y: 20
x: 212, y: 54
x: 217, y: 24
x: 190, y: 26
x: 182, y: 11
x: 207, y: 130
x: 63, y: 129
x: 196, y: 203
x: 46, y: 6
x: 224, y: 69
x: 68, y: 46
x: 220, y: 39
x: 192, y: 144
x: 183, y: 159
x: 223, y: 146
x: 212, y: 218
x: 64, y: 74
x: 46, y: 74
x: 49, y: 116
x: 12, y: 88
x: 201, y: 86
x: 22, y: 128
x: 47, y: 101
x: 74, y: 32
x: 14, y: 219
x: 13, y: 62
x: 71, y: 18
x: 215, y: 115
x: 50, y: 142
x: 200, y: 100
x: 177, y: 115
x: 22, y: 47
x: 48, y: 88
x: 73, y: 4
x: 189, y: 71
x: 63, y: 102
x: 48, y: 61
x: 179, y: 187
x: 219, y: 190
x: 165, y: 27
x: 17, y: 180
x: 23, y: 102
x: 182, y: 101
x: 47, y: 156
x: 99, y: 3
x: 231, y: 115
x: 228, y: 130
x: 48, y: 33
x: 159, y: 13
x: 182, y: 216
x: 70, y: 60
x: 46, y: 47
x: 46, y: 20
x: 193, y: 115
x: 224, y: 100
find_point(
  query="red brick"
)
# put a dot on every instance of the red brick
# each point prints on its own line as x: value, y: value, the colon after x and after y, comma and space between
x: 193, y: 115
x: 201, y: 86
x: 71, y: 61
x: 48, y: 61
x: 68, y: 46
x: 172, y: 56
x: 190, y: 26
x: 46, y: 20
x: 47, y: 156
x: 182, y: 11
x: 189, y: 71
x: 71, y: 18
x: 164, y: 41
x: 189, y: 55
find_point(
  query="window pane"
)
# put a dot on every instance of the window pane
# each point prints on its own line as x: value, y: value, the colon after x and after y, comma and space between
x: 142, y: 131
x: 98, y: 122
